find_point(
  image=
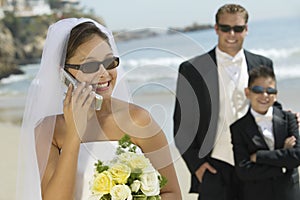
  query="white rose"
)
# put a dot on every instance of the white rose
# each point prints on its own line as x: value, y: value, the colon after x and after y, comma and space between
x: 135, y: 186
x: 135, y: 161
x: 120, y: 192
x: 150, y: 183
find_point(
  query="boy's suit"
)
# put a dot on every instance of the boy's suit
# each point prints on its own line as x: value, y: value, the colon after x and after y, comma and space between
x: 275, y: 174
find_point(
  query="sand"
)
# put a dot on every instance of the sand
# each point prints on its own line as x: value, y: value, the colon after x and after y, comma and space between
x: 8, y: 165
x: 161, y: 107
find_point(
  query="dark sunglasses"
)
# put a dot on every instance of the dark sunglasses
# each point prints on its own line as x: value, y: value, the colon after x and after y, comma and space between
x: 260, y: 90
x: 227, y: 28
x: 92, y: 67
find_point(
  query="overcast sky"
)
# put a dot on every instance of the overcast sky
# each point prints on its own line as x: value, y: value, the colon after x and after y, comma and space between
x: 129, y: 14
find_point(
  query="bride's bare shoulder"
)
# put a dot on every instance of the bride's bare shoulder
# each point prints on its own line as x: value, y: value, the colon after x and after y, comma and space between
x: 135, y: 113
x: 135, y: 119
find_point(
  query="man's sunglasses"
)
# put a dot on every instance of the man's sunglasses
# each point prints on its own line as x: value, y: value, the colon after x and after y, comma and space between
x: 260, y: 90
x: 227, y: 28
x: 92, y: 67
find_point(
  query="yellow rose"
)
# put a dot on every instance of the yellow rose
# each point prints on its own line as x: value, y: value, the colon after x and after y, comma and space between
x: 120, y: 173
x: 102, y: 183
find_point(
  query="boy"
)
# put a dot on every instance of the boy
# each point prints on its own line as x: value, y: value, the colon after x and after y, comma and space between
x: 266, y: 143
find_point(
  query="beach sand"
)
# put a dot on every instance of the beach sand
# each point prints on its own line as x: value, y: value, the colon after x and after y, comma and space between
x: 8, y: 165
x: 161, y: 107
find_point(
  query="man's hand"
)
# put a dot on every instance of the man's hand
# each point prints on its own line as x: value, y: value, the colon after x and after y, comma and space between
x: 253, y: 158
x: 205, y: 166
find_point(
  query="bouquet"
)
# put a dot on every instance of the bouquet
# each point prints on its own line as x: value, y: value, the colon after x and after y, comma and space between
x: 128, y: 176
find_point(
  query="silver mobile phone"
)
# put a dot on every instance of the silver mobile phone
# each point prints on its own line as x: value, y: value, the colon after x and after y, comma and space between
x: 69, y: 79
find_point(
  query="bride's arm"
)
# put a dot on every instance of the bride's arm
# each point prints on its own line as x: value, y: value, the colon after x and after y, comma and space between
x: 60, y: 176
x: 157, y: 150
x: 59, y: 179
x: 151, y: 139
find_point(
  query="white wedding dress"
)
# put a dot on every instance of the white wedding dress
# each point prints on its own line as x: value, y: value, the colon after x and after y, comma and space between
x: 89, y: 154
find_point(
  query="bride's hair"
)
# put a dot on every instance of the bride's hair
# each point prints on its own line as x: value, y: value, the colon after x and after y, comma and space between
x: 80, y: 34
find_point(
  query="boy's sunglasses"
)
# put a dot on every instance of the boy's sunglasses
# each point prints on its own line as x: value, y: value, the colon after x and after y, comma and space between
x: 92, y: 67
x: 260, y: 90
x: 226, y: 28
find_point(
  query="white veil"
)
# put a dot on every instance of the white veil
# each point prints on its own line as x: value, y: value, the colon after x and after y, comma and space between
x: 44, y: 102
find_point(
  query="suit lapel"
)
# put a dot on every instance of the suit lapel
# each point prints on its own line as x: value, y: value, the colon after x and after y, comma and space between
x: 253, y: 132
x: 279, y: 124
x: 249, y: 60
x: 206, y: 67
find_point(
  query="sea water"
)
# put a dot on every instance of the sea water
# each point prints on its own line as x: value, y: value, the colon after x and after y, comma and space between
x: 150, y: 65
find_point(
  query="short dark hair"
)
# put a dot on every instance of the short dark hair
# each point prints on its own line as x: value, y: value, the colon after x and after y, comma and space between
x: 260, y: 72
x: 232, y: 9
x: 80, y: 34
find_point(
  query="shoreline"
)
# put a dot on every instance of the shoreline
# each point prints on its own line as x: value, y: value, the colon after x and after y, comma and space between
x: 161, y: 107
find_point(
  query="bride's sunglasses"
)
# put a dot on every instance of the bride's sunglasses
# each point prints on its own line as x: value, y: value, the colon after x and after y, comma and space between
x: 227, y: 28
x: 92, y: 67
x: 260, y: 90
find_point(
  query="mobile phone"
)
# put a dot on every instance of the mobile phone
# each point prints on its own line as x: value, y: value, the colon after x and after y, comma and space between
x: 69, y: 79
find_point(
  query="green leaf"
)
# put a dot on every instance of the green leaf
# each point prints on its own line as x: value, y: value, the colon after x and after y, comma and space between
x: 135, y: 175
x: 139, y: 197
x: 100, y: 167
x: 125, y: 144
x: 106, y: 197
x: 162, y: 181
x: 157, y: 197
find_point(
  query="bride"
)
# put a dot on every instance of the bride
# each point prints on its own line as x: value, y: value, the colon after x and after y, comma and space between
x: 63, y: 134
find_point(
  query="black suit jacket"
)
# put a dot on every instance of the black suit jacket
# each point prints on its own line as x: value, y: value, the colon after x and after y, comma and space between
x: 265, y: 178
x: 197, y: 107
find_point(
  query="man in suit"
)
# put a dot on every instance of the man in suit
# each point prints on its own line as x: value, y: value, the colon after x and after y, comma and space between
x: 266, y: 143
x: 210, y: 96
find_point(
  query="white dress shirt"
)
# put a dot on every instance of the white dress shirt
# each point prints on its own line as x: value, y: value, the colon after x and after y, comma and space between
x: 233, y: 78
x: 265, y: 125
x: 232, y: 65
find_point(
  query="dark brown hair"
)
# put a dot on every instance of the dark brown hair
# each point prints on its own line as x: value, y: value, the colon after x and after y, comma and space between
x: 80, y: 34
x: 260, y: 72
x: 232, y: 9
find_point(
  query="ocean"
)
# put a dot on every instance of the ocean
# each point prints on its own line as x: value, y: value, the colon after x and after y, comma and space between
x: 150, y: 65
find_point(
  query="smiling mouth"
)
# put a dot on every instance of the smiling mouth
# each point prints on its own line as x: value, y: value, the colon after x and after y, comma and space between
x: 231, y: 41
x: 101, y: 86
x: 263, y: 102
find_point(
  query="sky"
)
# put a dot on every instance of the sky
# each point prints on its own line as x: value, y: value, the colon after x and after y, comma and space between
x: 133, y: 14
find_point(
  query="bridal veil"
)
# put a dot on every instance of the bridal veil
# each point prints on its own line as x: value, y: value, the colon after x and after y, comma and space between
x: 45, y: 101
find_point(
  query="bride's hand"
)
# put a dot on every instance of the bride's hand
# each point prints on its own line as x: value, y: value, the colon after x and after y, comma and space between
x: 76, y: 108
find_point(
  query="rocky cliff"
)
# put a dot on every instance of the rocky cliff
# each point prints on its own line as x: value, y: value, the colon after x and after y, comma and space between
x: 7, y: 53
x: 22, y: 39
